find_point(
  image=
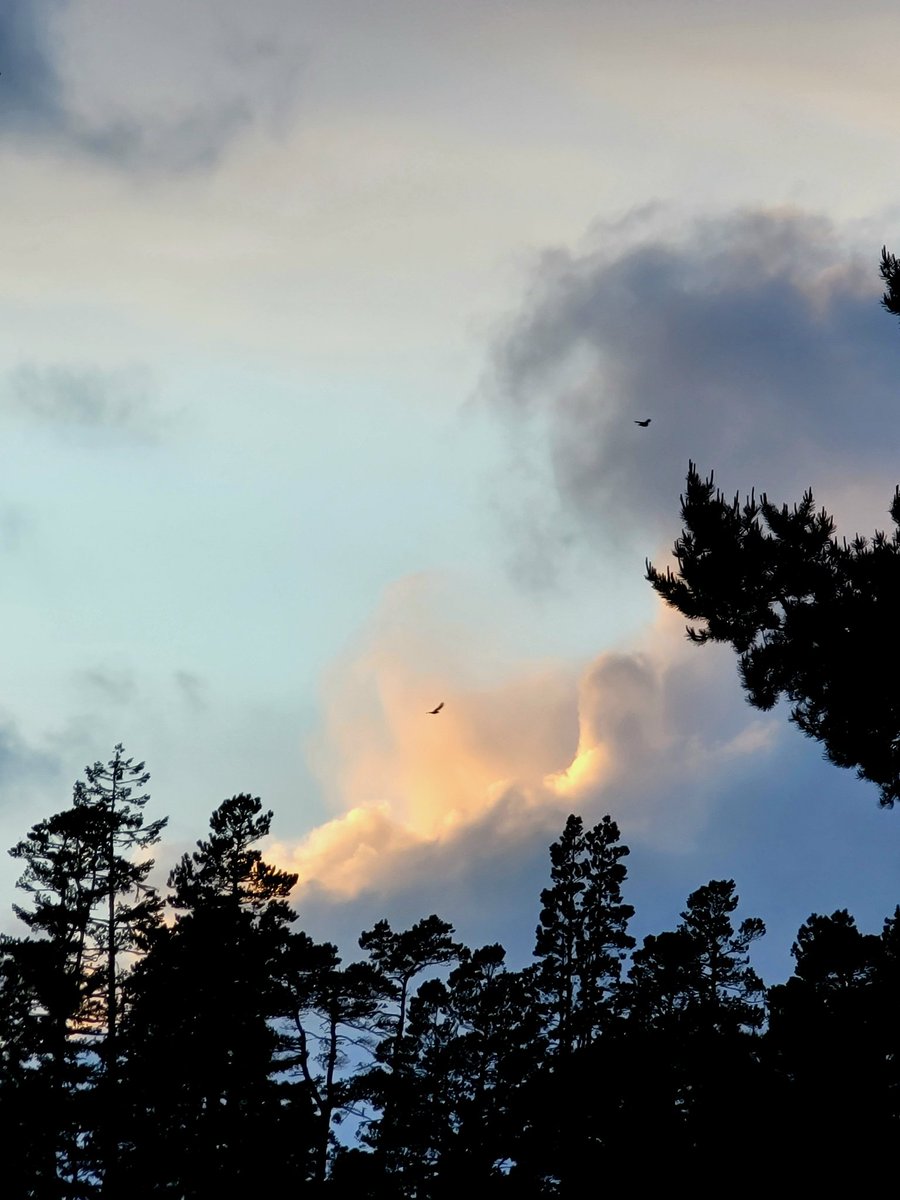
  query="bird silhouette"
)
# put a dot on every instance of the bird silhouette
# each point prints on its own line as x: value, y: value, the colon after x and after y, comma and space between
x: 433, y: 712
x: 644, y: 424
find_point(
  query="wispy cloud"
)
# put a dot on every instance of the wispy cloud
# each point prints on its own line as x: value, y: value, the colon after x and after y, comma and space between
x: 121, y: 400
x: 16, y: 526
x: 192, y: 689
x: 112, y: 686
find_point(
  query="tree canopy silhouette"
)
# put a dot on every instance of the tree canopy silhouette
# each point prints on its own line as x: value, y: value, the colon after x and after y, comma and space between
x: 207, y: 1110
x: 890, y: 274
x: 243, y: 1045
x: 812, y: 618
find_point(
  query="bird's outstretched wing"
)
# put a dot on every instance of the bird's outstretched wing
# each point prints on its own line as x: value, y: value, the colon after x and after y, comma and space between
x: 432, y: 712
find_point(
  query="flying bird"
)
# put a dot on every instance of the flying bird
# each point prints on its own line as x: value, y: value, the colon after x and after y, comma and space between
x: 433, y: 712
x: 644, y: 424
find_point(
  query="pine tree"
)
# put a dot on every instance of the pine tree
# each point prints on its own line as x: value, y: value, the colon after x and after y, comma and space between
x: 209, y: 1110
x: 699, y: 978
x: 333, y: 1014
x: 581, y: 939
x: 797, y: 606
x: 89, y: 895
x: 580, y: 945
x: 831, y: 1039
x: 691, y: 1057
x: 496, y: 1051
x: 398, y: 958
x: 729, y: 991
x: 91, y: 902
x: 38, y: 1075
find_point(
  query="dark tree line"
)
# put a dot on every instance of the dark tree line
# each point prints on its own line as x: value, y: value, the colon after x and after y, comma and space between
x: 199, y: 1043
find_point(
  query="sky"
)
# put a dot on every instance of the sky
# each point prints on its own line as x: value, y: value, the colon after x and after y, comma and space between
x: 325, y: 328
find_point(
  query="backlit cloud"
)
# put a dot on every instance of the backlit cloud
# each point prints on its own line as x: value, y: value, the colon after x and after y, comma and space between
x: 642, y: 734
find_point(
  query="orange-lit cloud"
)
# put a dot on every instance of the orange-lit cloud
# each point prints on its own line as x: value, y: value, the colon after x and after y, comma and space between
x: 665, y: 716
x: 515, y: 748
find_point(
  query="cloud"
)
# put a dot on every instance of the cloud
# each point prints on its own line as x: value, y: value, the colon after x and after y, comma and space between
x: 29, y: 774
x: 146, y: 88
x: 21, y: 763
x: 114, y: 687
x: 643, y: 734
x: 30, y: 96
x: 192, y: 689
x: 754, y: 341
x: 659, y: 724
x: 120, y: 400
x: 16, y: 527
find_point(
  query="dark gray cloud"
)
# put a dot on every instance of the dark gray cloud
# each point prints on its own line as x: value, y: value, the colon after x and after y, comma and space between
x: 165, y: 90
x: 754, y: 342
x: 192, y: 141
x: 30, y: 91
x: 120, y: 400
x: 32, y: 786
x: 20, y: 762
x: 30, y: 783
